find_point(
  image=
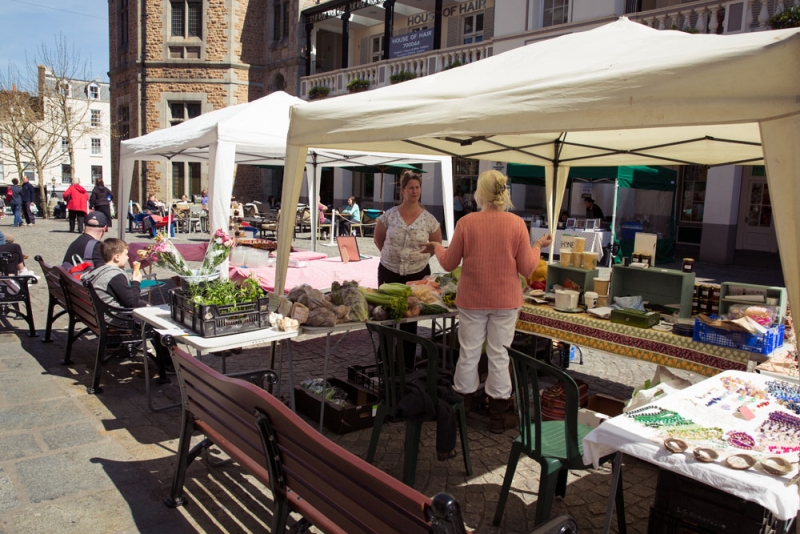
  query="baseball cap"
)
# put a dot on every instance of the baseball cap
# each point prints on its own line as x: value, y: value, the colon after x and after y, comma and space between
x: 96, y: 219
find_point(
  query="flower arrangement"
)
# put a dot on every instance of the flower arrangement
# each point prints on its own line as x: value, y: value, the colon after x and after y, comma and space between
x: 788, y: 18
x: 164, y: 254
x: 217, y: 252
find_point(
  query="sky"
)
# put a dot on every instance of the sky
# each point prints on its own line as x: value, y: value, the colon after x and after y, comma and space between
x: 29, y: 24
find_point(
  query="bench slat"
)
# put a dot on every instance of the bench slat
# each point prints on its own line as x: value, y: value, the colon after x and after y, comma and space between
x: 338, y: 491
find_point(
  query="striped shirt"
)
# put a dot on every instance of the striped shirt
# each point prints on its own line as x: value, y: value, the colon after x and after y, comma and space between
x: 495, y: 249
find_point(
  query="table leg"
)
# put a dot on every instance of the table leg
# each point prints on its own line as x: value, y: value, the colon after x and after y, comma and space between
x: 616, y: 471
x: 324, y: 379
x: 147, y: 389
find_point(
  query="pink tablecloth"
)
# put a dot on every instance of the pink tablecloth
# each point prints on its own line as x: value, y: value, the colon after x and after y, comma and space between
x: 319, y: 274
x: 189, y: 251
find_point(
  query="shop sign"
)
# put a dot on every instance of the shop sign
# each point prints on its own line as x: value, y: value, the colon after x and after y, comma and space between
x: 411, y: 43
x: 464, y: 8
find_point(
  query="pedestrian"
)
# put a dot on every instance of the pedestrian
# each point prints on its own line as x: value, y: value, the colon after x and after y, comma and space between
x: 101, y: 198
x: 492, y: 246
x: 399, y: 234
x: 14, y: 198
x: 28, y: 201
x: 77, y: 200
x: 459, y: 204
x: 16, y: 266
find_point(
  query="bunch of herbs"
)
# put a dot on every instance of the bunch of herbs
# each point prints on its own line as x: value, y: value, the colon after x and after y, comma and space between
x: 226, y: 292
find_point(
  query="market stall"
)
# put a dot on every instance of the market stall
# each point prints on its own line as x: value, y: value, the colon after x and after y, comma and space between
x: 593, y: 98
x: 710, y: 441
x: 253, y: 134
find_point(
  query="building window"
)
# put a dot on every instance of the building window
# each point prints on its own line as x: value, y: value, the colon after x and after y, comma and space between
x: 93, y: 91
x: 187, y: 19
x: 178, y: 179
x: 95, y: 121
x: 280, y: 20
x: 96, y: 147
x: 97, y: 173
x: 181, y: 111
x: 66, y: 174
x: 555, y: 12
x: 124, y: 122
x: 376, y: 49
x: 194, y: 178
x: 2, y: 173
x: 122, y: 32
x: 694, y: 193
x: 473, y: 28
x: 28, y: 171
x: 64, y: 144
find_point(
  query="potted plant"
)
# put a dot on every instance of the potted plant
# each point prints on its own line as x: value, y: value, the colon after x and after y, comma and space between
x: 401, y: 76
x: 318, y: 91
x: 788, y: 18
x: 452, y: 65
x: 357, y: 84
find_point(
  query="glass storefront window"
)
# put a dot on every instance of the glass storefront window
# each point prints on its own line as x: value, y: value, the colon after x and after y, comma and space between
x: 694, y: 193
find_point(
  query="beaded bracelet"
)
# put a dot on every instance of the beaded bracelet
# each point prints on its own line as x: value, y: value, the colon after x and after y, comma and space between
x: 741, y: 440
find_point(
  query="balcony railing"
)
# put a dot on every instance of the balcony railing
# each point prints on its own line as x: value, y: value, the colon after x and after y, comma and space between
x: 705, y: 16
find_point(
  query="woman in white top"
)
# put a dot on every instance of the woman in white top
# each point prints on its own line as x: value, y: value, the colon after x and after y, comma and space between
x: 399, y: 235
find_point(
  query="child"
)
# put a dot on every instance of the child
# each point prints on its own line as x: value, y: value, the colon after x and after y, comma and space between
x: 111, y: 284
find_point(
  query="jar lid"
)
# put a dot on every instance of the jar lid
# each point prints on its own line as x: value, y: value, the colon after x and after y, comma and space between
x: 688, y: 259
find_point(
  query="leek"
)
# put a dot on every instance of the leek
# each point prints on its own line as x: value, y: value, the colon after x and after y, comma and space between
x: 394, y: 304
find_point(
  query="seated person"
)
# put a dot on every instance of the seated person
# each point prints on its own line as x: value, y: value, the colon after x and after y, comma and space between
x: 350, y: 214
x: 17, y: 264
x: 204, y: 199
x: 152, y: 205
x: 94, y: 228
x: 184, y: 199
x: 112, y: 286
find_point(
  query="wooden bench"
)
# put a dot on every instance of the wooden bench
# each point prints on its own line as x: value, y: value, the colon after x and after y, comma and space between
x: 56, y: 296
x: 111, y: 325
x: 306, y: 473
x: 14, y: 291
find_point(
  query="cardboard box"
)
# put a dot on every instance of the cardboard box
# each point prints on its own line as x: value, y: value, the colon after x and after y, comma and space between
x: 337, y: 418
x: 600, y: 408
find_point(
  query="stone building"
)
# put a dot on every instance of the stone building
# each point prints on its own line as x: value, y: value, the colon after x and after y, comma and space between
x: 172, y: 60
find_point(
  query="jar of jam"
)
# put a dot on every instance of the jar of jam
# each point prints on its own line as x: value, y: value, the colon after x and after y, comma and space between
x: 688, y: 265
x: 636, y: 258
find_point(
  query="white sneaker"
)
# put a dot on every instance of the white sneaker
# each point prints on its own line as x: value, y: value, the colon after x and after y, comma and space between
x: 27, y: 272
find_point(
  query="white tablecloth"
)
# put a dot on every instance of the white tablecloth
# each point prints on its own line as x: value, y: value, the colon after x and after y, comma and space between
x: 624, y: 434
x: 595, y: 241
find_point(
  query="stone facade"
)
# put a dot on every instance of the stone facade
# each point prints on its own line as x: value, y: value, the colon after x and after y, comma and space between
x: 235, y: 59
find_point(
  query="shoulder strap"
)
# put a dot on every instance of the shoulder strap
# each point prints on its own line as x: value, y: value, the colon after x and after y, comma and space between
x: 89, y: 250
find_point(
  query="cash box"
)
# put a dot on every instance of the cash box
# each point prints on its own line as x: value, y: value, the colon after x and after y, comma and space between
x: 635, y: 318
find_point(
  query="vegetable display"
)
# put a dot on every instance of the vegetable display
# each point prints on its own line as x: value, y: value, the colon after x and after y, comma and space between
x: 225, y: 292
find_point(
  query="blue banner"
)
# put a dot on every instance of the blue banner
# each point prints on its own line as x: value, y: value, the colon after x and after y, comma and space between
x: 411, y: 43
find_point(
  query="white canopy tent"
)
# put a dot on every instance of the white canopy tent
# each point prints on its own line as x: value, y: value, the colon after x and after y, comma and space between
x: 255, y: 134
x: 622, y: 94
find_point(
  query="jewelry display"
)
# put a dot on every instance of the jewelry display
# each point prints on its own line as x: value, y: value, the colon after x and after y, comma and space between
x: 744, y: 388
x: 705, y: 455
x: 780, y: 433
x: 786, y: 394
x: 698, y: 434
x: 740, y: 461
x: 655, y: 417
x: 741, y: 440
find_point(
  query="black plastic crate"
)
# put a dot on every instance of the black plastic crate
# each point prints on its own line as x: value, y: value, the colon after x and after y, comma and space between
x: 367, y: 377
x: 338, y: 418
x: 704, y: 508
x: 214, y: 321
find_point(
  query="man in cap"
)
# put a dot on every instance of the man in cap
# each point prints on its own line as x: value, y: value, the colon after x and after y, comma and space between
x: 87, y: 245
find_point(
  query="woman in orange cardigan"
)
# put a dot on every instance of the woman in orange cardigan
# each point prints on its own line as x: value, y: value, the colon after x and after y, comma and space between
x: 495, y: 249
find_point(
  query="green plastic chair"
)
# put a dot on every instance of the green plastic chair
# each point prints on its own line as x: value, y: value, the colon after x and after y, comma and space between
x: 555, y: 445
x: 391, y: 365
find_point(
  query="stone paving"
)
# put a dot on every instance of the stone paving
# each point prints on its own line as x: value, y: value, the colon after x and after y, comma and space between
x: 71, y: 462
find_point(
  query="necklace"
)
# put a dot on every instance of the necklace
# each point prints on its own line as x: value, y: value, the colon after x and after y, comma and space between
x: 786, y: 394
x: 741, y: 440
x: 655, y: 417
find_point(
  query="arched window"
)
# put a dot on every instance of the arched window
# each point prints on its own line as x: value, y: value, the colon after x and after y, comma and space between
x: 278, y: 83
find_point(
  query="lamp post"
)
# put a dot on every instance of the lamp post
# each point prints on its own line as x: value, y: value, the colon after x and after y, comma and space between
x: 53, y: 189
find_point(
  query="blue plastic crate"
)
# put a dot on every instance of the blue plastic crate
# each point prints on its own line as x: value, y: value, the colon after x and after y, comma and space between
x: 758, y: 343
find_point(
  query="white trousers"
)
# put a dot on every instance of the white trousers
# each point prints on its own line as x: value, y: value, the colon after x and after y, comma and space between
x: 496, y: 328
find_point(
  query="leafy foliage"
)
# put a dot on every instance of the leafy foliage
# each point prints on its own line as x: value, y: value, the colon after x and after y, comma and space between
x: 357, y: 84
x: 402, y: 76
x: 318, y: 91
x: 788, y: 18
x: 452, y: 65
x: 224, y: 292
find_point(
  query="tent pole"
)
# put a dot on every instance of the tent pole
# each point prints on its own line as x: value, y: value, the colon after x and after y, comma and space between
x: 614, y: 224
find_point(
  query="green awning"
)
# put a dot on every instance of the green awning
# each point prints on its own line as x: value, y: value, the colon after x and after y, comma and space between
x: 632, y: 176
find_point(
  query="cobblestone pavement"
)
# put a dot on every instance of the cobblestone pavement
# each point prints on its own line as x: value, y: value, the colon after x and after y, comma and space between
x: 72, y: 462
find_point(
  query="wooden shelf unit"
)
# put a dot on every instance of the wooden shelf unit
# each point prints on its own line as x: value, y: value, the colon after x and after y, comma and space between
x: 655, y: 285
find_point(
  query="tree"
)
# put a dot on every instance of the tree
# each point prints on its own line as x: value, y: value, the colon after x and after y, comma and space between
x: 46, y: 109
